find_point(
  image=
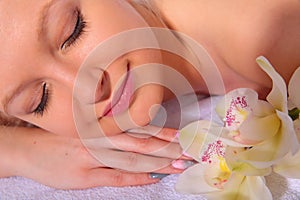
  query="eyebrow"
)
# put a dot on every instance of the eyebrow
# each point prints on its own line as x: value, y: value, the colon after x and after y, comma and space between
x: 44, y: 14
x: 12, y: 95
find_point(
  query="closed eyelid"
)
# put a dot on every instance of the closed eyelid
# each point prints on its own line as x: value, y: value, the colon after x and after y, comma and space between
x: 54, y: 22
x: 16, y: 92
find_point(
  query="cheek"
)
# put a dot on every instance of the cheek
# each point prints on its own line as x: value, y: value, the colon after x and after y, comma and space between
x: 61, y: 122
x: 58, y: 117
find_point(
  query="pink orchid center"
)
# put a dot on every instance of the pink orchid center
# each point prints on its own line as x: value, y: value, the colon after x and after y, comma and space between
x: 213, y: 151
x: 218, y: 173
x: 237, y: 112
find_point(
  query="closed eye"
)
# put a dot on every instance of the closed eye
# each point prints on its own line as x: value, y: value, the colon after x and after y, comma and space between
x: 39, y: 110
x: 79, y: 28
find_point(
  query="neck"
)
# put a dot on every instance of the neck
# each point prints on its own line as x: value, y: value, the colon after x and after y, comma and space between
x: 178, y: 61
x: 203, y: 36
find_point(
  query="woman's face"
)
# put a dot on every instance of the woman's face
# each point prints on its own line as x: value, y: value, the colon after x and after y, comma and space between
x: 43, y: 44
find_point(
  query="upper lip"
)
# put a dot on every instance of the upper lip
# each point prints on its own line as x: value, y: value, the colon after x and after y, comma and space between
x: 117, y: 95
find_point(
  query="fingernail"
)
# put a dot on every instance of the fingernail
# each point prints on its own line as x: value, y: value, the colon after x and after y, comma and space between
x: 186, y: 155
x: 157, y: 175
x: 177, y: 135
x: 176, y: 139
x: 182, y: 164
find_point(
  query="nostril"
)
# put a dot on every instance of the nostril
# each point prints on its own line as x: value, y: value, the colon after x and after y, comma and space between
x: 88, y: 85
x: 103, y: 90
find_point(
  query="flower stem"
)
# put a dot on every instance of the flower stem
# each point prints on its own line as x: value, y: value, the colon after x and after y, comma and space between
x: 294, y: 113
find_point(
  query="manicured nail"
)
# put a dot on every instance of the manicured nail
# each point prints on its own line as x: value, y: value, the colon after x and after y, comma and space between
x: 182, y: 164
x: 186, y: 155
x: 176, y: 139
x: 158, y: 175
x: 177, y: 135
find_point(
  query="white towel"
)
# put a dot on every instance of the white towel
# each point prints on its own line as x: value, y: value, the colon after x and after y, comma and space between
x: 22, y: 188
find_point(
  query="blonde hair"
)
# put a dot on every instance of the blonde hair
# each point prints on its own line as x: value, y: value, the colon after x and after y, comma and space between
x: 149, y: 6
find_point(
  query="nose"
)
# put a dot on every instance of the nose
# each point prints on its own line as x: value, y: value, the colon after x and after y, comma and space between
x: 91, y: 85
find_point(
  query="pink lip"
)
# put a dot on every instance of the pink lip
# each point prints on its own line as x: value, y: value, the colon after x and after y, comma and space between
x: 121, y: 99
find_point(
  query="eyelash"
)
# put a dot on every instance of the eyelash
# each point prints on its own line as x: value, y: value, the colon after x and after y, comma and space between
x: 40, y: 109
x: 79, y: 29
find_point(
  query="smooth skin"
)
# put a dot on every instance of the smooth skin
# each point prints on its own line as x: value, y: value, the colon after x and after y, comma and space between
x: 233, y: 32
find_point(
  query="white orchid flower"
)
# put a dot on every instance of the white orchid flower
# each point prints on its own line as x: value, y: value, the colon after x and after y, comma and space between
x: 265, y: 125
x: 289, y: 166
x: 257, y: 137
x: 212, y: 177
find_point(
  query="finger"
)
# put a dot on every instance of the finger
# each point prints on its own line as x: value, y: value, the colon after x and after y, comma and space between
x: 150, y: 146
x: 174, y: 167
x: 167, y: 134
x: 125, y: 160
x: 130, y: 161
x: 117, y: 178
x: 177, y: 166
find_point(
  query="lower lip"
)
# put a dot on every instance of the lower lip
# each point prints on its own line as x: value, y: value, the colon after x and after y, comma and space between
x: 121, y: 99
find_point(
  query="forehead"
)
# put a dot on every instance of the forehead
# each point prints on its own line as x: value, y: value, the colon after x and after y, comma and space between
x: 18, y: 30
x: 18, y: 23
x: 15, y: 13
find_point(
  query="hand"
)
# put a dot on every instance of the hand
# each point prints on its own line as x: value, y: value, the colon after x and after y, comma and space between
x: 64, y: 163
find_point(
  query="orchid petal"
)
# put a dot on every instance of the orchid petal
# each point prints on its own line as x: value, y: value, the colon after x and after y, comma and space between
x: 243, y: 167
x: 263, y: 108
x: 261, y: 155
x: 193, y: 138
x: 289, y: 138
x: 230, y: 191
x: 290, y: 104
x: 241, y: 188
x: 254, y: 187
x: 217, y: 132
x: 259, y: 128
x: 267, y: 153
x: 193, y: 181
x: 289, y: 166
x: 218, y: 173
x: 238, y: 101
x: 278, y: 96
x: 196, y: 136
x: 297, y: 128
x: 230, y: 141
x: 293, y: 88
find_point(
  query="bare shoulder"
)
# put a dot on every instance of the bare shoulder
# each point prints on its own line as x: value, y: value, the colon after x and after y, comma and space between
x: 270, y: 28
x: 236, y: 32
